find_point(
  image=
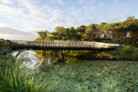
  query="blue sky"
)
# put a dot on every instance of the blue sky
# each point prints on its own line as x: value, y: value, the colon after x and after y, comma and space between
x: 35, y: 15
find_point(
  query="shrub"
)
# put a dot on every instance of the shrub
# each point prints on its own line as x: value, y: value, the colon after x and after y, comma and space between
x: 104, y: 55
x: 128, y: 52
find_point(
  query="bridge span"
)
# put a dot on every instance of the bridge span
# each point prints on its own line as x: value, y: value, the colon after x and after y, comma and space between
x: 60, y: 45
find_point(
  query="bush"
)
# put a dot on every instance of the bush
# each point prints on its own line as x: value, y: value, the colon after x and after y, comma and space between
x: 128, y: 49
x: 104, y: 55
x: 128, y: 52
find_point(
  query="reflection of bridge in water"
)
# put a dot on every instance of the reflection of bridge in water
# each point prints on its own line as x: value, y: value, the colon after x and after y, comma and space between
x: 60, y: 45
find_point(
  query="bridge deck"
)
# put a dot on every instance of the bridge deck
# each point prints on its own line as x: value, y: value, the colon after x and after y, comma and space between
x: 60, y: 45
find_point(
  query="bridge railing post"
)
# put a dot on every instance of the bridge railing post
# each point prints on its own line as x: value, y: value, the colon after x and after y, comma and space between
x: 29, y: 43
x: 35, y: 43
x: 39, y: 43
x: 46, y: 43
x: 42, y: 42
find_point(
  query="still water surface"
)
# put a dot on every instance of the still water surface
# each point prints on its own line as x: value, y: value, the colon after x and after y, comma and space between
x: 32, y: 60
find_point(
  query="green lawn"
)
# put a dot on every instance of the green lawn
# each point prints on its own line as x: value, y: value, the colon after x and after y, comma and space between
x: 91, y: 76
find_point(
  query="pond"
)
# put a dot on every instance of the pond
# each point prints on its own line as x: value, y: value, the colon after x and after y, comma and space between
x: 83, y: 75
x: 37, y: 58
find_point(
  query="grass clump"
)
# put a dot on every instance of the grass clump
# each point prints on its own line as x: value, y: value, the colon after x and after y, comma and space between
x: 16, y: 78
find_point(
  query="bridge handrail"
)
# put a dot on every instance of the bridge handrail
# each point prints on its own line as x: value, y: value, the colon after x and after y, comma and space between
x: 62, y: 43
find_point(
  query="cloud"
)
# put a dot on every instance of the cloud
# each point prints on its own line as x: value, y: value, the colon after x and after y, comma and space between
x: 14, y: 34
x: 33, y: 10
x: 74, y: 12
x: 28, y: 15
x: 61, y: 2
x: 121, y: 17
x: 7, y: 10
x: 35, y: 15
x: 6, y: 25
x: 118, y: 5
x: 57, y: 17
x: 113, y: 19
x: 81, y: 1
x: 31, y: 16
x: 90, y: 2
x: 125, y: 15
x: 101, y: 4
x: 6, y: 1
x: 43, y: 15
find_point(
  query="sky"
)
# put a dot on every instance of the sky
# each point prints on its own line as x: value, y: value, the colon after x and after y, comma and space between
x: 26, y: 17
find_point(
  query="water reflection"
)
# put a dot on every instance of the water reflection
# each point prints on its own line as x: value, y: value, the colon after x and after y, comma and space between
x: 29, y: 58
x: 34, y: 59
x: 53, y: 57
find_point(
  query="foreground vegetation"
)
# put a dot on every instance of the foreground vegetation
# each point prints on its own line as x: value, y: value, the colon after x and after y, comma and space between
x: 15, y: 78
x: 81, y: 76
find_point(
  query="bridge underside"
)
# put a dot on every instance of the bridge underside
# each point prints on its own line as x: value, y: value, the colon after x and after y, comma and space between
x: 23, y: 47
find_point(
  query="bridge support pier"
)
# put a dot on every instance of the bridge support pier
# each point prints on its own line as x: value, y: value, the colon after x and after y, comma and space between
x: 63, y: 57
x: 63, y: 53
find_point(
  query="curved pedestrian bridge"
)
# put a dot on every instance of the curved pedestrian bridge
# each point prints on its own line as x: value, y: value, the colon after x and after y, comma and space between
x: 60, y: 45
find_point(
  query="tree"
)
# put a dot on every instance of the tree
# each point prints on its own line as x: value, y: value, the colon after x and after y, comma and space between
x: 72, y: 34
x: 92, y: 32
x: 100, y: 27
x: 132, y: 23
x: 42, y: 35
x: 65, y: 34
x: 118, y: 30
x: 81, y: 31
x: 59, y: 33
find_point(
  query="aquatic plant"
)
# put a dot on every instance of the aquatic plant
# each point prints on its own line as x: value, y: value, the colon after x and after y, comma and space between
x: 91, y: 76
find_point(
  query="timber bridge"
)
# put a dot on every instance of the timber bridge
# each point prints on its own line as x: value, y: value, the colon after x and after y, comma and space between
x: 58, y: 45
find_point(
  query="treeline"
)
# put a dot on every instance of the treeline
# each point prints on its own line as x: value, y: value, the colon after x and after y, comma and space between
x: 7, y: 42
x: 120, y: 32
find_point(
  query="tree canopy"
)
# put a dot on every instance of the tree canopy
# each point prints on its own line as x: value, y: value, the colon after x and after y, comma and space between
x: 115, y: 31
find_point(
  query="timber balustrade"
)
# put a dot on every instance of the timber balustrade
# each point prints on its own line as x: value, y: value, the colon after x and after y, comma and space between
x: 62, y: 43
x: 84, y: 45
